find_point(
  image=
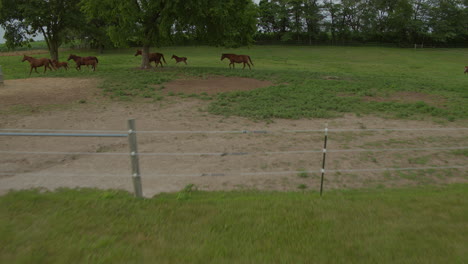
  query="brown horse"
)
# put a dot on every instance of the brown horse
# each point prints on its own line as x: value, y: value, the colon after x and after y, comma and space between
x: 34, y: 63
x: 466, y: 69
x: 233, y: 58
x: 59, y: 65
x: 156, y: 57
x: 179, y: 59
x: 91, y: 60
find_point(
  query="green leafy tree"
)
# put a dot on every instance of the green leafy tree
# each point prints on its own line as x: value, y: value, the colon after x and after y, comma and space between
x: 51, y: 18
x: 152, y: 22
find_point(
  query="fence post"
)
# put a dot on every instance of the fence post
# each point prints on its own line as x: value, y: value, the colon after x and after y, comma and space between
x: 132, y: 140
x: 323, y: 158
x: 1, y: 76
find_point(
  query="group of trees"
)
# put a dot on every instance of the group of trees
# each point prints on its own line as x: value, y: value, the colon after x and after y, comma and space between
x: 114, y: 23
x: 128, y: 22
x: 386, y: 21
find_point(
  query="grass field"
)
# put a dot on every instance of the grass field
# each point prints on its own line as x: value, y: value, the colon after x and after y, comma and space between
x: 310, y: 81
x: 424, y: 225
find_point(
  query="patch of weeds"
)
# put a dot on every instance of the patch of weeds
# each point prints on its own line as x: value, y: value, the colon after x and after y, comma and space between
x: 157, y: 97
x: 303, y: 174
x: 418, y: 160
x: 186, y: 193
x: 302, y: 186
x: 147, y: 95
x: 82, y: 101
x: 206, y: 98
x: 171, y: 93
x: 462, y: 152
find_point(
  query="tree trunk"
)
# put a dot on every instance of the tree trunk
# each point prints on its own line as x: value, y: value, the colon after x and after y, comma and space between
x: 53, y: 50
x: 145, y: 63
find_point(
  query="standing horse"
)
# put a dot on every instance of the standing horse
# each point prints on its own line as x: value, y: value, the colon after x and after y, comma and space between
x: 179, y: 59
x: 59, y: 65
x: 34, y: 63
x: 91, y: 60
x: 156, y: 57
x: 233, y: 58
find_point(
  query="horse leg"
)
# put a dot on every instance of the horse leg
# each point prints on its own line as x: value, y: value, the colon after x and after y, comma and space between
x: 30, y: 71
x: 185, y: 62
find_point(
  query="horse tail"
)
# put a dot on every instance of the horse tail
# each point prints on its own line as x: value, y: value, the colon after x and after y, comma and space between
x: 250, y: 60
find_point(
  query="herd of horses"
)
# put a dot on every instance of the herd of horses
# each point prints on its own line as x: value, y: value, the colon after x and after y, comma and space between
x: 92, y: 61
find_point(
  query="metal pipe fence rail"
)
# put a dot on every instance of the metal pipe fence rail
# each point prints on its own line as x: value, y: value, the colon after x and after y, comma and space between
x: 134, y: 154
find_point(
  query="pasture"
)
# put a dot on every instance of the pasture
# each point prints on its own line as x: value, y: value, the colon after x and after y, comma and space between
x: 311, y: 82
x: 289, y: 88
x: 365, y: 216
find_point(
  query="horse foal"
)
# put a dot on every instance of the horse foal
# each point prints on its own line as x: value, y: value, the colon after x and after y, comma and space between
x: 59, y: 65
x: 179, y: 59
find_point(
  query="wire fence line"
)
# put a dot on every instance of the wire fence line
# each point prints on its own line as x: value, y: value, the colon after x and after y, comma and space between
x: 242, y: 131
x: 220, y: 174
x: 225, y: 153
x: 134, y: 154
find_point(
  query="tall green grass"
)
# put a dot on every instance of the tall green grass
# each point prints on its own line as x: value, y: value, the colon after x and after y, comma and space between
x: 424, y: 225
x: 309, y: 81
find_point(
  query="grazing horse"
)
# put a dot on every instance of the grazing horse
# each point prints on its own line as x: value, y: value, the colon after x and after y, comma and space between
x: 466, y: 69
x: 156, y: 57
x: 237, y: 59
x: 59, y: 65
x: 91, y: 60
x: 179, y: 59
x: 34, y: 63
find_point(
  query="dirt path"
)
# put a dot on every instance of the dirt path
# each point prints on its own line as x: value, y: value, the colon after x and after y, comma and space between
x: 212, y: 161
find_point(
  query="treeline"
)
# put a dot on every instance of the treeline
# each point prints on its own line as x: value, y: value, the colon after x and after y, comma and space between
x: 399, y: 22
x: 118, y: 23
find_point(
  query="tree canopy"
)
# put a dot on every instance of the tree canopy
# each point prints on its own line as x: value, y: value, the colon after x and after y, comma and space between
x: 155, y: 22
x: 52, y: 18
x: 386, y: 21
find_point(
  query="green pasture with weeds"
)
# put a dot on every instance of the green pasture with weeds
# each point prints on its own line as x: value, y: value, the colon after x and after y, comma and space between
x: 423, y: 225
x: 308, y: 81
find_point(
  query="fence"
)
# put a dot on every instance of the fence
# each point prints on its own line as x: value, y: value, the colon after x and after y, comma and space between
x: 131, y: 135
x: 134, y: 154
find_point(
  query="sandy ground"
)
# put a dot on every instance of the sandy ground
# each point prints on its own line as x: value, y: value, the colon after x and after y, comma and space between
x: 211, y: 161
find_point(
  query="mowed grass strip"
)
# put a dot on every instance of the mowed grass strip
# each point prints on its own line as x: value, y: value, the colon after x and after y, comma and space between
x: 424, y: 225
x: 317, y: 82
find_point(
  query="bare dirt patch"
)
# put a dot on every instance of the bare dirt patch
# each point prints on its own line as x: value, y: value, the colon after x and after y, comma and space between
x: 214, y: 85
x: 409, y: 97
x: 211, y: 161
x: 35, y: 92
